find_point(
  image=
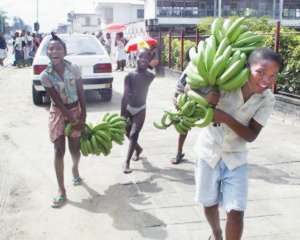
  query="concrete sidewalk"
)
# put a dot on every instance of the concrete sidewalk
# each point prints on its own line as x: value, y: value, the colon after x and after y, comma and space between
x: 156, y: 200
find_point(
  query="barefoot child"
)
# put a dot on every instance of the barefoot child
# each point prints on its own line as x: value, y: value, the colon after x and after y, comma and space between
x: 133, y: 105
x: 221, y: 171
x: 62, y: 82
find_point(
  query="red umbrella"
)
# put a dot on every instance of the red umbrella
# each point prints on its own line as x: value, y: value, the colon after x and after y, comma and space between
x: 115, y: 27
x: 139, y: 42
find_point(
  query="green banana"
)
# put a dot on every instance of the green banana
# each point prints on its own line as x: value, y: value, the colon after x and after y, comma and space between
x: 197, y: 98
x: 164, y: 120
x: 209, y: 116
x: 245, y: 49
x: 247, y: 41
x: 180, y: 100
x: 215, y: 70
x: 210, y: 52
x: 89, y: 146
x: 95, y: 144
x: 102, y: 145
x: 196, y: 81
x: 68, y: 130
x: 202, y: 70
x: 184, y: 127
x: 222, y: 46
x: 179, y: 129
x: 83, y: 148
x: 188, y: 109
x: 232, y: 70
x: 158, y: 126
x: 117, y: 119
x: 234, y: 27
x: 245, y: 35
x: 106, y: 136
x: 101, y: 126
x: 235, y: 57
x: 111, y: 116
x: 216, y: 29
x: 236, y: 82
x: 227, y: 23
x: 237, y: 33
x: 105, y: 116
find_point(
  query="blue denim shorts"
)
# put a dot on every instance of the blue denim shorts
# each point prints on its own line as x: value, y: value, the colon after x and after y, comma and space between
x: 219, y: 185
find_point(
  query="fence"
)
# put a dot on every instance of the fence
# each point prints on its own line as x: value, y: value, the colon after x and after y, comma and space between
x: 167, y: 52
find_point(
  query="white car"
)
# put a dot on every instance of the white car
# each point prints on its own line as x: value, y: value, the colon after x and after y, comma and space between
x: 86, y: 52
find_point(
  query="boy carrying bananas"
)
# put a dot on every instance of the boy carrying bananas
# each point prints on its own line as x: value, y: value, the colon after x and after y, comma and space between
x: 133, y: 106
x: 62, y: 82
x: 221, y: 170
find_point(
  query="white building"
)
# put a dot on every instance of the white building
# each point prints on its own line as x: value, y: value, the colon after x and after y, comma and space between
x: 84, y: 22
x: 120, y: 11
x: 170, y: 14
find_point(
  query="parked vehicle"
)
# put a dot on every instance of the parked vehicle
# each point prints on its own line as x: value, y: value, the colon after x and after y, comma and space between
x: 86, y: 52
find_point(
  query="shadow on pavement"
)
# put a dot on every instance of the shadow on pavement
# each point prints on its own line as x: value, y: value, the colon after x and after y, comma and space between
x: 170, y: 174
x: 276, y: 176
x: 118, y: 202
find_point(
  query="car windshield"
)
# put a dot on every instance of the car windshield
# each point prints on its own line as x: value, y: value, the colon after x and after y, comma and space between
x: 79, y: 45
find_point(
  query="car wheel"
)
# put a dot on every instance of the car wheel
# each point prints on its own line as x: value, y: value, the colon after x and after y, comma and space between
x: 37, y: 97
x: 106, y: 94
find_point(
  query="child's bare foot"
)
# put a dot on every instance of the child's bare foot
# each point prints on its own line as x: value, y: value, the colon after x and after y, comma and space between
x: 138, y: 152
x: 126, y: 169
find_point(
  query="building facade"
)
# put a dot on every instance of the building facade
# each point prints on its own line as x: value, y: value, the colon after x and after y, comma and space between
x: 84, y: 22
x: 120, y: 11
x: 168, y: 13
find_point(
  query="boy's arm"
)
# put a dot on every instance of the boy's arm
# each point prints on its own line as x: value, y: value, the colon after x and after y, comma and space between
x: 81, y: 98
x: 248, y: 133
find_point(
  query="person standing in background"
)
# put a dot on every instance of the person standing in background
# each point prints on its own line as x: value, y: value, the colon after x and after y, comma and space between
x: 108, y: 43
x: 3, y: 49
x: 120, y: 55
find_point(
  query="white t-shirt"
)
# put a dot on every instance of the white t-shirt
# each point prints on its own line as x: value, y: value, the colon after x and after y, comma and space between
x: 216, y: 143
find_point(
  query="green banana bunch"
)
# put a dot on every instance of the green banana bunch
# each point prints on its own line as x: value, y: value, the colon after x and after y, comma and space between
x: 191, y: 108
x: 99, y: 139
x: 221, y: 58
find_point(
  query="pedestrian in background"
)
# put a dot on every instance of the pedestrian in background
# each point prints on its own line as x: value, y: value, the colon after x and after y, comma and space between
x: 62, y: 81
x: 3, y: 49
x: 120, y: 52
x: 108, y: 43
x: 18, y: 50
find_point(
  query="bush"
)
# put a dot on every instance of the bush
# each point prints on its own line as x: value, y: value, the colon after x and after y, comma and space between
x: 176, y: 46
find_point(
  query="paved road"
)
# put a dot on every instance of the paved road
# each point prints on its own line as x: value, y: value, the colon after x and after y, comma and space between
x: 155, y: 201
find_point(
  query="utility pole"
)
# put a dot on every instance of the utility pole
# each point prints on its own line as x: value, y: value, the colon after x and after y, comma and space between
x: 220, y: 8
x: 281, y: 2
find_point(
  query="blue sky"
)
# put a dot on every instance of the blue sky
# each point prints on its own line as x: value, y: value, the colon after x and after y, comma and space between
x: 51, y: 12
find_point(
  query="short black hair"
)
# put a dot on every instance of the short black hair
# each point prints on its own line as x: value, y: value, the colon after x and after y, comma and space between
x: 56, y: 38
x: 265, y: 54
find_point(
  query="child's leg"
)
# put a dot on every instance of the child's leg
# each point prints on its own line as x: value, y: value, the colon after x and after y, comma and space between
x: 235, y: 191
x: 74, y: 147
x: 179, y: 154
x: 213, y: 218
x: 138, y: 148
x: 59, y: 149
x: 234, y: 225
x: 208, y: 194
x: 137, y: 124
